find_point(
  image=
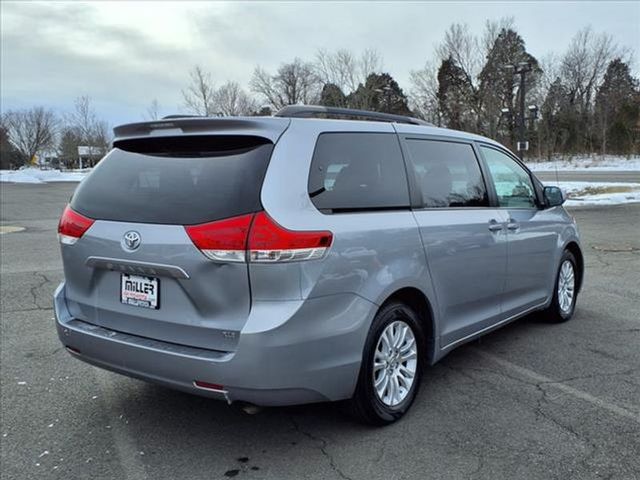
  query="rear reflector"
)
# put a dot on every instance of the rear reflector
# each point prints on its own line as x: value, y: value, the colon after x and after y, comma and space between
x: 209, y: 386
x: 257, y: 238
x: 72, y: 226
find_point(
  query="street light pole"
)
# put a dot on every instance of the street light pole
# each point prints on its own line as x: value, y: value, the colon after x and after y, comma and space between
x: 521, y: 69
x: 522, y: 72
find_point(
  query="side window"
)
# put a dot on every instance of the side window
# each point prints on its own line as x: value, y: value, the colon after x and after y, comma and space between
x: 447, y: 173
x: 512, y: 182
x: 357, y: 171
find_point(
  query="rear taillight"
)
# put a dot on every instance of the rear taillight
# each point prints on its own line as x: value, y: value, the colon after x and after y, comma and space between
x: 269, y: 242
x: 257, y: 238
x: 72, y: 226
x: 223, y: 240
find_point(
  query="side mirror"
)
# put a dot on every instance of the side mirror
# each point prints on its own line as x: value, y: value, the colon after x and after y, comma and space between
x: 553, y: 196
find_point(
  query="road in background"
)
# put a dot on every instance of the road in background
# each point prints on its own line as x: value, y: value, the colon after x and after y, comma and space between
x: 531, y: 400
x: 589, y: 176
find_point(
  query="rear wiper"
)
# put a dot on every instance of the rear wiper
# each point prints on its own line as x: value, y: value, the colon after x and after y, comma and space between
x: 315, y: 193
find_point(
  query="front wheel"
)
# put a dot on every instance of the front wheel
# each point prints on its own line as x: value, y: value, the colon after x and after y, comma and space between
x: 565, y: 292
x: 391, y: 367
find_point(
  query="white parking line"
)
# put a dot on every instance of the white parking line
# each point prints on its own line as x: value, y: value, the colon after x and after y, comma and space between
x: 125, y: 445
x: 574, y: 392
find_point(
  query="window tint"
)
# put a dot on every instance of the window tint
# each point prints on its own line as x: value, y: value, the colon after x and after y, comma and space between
x: 447, y: 173
x: 182, y: 182
x: 358, y: 171
x: 512, y: 182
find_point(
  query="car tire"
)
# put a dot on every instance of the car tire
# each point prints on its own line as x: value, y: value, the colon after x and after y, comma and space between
x: 565, y: 290
x: 381, y: 396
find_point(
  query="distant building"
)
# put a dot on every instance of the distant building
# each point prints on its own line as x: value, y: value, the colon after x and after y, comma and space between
x: 88, y: 156
x: 46, y: 158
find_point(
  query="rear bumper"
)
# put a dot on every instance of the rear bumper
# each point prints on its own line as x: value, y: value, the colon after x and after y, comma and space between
x: 288, y: 352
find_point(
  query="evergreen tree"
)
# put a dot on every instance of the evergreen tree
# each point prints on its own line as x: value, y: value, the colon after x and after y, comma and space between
x: 332, y: 96
x: 499, y: 86
x: 618, y: 109
x: 68, y: 148
x: 556, y: 126
x: 380, y: 93
x: 10, y: 157
x: 455, y: 96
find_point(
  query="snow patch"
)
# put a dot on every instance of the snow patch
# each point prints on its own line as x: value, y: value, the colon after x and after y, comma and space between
x: 36, y: 175
x: 598, y: 193
x: 592, y: 163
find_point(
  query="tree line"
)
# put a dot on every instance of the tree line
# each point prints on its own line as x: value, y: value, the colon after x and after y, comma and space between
x: 587, y: 98
x: 27, y: 134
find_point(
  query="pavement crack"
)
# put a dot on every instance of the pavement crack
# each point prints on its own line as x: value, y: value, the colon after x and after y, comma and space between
x: 34, y: 290
x: 540, y: 413
x: 322, y: 446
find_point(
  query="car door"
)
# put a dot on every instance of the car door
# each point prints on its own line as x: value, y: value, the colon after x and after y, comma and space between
x: 463, y: 236
x: 532, y: 235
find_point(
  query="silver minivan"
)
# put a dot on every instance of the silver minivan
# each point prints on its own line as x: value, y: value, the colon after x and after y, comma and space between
x: 295, y: 259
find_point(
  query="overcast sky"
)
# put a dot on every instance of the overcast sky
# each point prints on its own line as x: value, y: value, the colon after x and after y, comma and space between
x: 123, y: 55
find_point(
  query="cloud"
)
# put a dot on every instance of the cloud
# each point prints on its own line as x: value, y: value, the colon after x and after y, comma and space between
x: 124, y: 54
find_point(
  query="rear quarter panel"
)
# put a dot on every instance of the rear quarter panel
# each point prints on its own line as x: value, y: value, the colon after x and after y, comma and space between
x: 373, y: 254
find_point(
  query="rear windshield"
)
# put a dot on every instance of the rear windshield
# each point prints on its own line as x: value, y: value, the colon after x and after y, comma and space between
x: 180, y: 180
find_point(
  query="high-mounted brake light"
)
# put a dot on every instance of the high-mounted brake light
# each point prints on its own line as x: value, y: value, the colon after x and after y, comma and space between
x: 72, y: 226
x: 257, y: 238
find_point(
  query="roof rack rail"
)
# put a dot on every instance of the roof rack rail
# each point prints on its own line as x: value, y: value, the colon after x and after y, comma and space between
x: 310, y: 111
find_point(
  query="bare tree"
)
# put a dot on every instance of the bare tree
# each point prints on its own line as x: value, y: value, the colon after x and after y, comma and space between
x: 31, y: 131
x: 92, y: 132
x: 492, y: 29
x: 423, y: 95
x: 198, y: 96
x: 585, y: 63
x: 294, y: 83
x: 463, y: 48
x: 153, y: 111
x: 231, y: 100
x: 101, y: 136
x: 583, y: 67
x: 83, y: 118
x: 345, y: 70
x: 370, y: 62
x: 338, y: 68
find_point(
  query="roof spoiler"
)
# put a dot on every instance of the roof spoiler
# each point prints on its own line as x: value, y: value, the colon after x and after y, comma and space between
x: 266, y: 127
x: 310, y: 111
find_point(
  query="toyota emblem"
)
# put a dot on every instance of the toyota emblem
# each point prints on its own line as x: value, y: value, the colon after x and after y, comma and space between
x: 131, y: 240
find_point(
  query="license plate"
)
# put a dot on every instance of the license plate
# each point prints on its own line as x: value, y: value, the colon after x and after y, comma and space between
x: 139, y: 291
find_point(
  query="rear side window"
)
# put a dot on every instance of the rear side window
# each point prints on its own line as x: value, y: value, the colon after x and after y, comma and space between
x: 176, y: 180
x: 447, y: 173
x: 358, y: 171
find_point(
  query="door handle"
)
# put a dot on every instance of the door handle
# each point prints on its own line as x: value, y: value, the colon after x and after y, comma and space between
x: 494, y: 226
x: 513, y: 225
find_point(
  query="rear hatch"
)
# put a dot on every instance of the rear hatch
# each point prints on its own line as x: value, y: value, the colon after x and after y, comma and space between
x: 136, y: 268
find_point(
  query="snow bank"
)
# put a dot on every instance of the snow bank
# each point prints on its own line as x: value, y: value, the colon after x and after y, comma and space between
x: 598, y: 193
x: 608, y: 162
x: 35, y: 175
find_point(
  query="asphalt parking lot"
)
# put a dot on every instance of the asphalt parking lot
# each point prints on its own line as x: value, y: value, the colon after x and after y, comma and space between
x: 528, y: 401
